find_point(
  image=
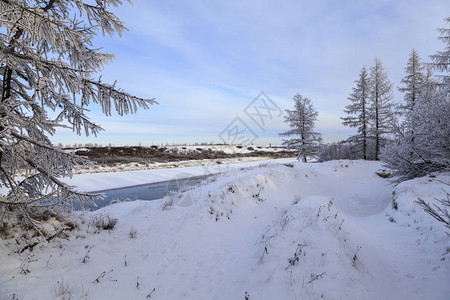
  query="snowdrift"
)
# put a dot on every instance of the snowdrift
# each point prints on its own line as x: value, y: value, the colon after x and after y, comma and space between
x: 286, y: 231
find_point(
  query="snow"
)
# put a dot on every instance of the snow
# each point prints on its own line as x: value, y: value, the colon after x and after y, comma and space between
x: 228, y: 149
x: 137, y: 166
x: 90, y: 182
x: 283, y: 230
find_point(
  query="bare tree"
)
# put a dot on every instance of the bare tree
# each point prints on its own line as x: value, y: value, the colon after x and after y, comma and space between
x: 48, y: 63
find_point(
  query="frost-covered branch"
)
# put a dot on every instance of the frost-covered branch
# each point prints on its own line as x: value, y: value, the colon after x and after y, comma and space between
x: 48, y: 63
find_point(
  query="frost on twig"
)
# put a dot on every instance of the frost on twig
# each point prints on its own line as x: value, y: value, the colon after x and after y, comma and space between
x: 48, y: 63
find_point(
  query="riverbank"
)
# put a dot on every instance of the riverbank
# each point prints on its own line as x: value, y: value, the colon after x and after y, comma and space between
x: 89, y: 182
x: 277, y: 231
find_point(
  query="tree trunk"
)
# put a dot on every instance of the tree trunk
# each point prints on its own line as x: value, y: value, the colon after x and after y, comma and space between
x: 377, y: 126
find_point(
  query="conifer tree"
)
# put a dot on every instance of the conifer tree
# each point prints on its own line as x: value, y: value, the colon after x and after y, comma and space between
x: 441, y: 60
x: 48, y: 63
x: 413, y: 81
x: 357, y: 112
x: 302, y: 121
x: 425, y: 149
x: 381, y: 115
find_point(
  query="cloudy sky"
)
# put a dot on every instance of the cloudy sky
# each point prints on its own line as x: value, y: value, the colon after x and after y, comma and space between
x: 206, y: 63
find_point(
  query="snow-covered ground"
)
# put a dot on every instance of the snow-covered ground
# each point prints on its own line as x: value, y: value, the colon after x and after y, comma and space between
x: 111, y: 180
x: 279, y: 231
x: 229, y: 149
x: 148, y: 164
x: 136, y: 166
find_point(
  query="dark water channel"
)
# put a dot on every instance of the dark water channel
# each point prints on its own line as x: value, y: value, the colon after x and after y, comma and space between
x: 150, y: 191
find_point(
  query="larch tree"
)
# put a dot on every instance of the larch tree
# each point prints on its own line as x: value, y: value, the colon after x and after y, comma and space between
x: 380, y: 112
x: 412, y: 82
x: 426, y: 148
x: 441, y: 60
x: 302, y: 120
x: 429, y: 84
x: 413, y: 85
x: 357, y: 112
x: 48, y: 63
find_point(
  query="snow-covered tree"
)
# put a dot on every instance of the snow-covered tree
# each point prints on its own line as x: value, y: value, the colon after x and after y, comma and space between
x: 357, y: 112
x: 380, y: 112
x: 441, y: 60
x: 429, y: 86
x: 425, y: 149
x: 302, y: 120
x: 413, y: 81
x: 48, y: 63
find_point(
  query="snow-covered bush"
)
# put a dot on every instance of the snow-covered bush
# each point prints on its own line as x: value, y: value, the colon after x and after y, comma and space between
x: 334, y: 151
x: 104, y: 222
x: 348, y: 149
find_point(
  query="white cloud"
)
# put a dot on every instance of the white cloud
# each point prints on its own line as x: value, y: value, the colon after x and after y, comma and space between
x: 205, y: 61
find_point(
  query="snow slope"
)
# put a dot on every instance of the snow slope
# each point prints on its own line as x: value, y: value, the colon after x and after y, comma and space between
x: 285, y: 231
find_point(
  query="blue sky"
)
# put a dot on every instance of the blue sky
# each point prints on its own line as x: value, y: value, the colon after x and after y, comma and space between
x: 206, y: 61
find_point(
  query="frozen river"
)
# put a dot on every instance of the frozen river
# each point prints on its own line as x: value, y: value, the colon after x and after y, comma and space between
x: 150, y: 191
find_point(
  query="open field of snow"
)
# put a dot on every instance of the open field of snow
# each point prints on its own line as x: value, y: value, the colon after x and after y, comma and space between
x: 285, y: 230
